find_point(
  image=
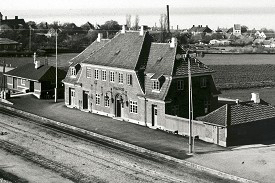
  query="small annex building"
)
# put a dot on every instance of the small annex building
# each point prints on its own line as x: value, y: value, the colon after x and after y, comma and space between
x: 36, y: 78
x: 241, y: 122
x: 134, y: 79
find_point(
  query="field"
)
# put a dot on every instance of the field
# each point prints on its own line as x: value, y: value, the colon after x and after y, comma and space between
x: 243, y: 76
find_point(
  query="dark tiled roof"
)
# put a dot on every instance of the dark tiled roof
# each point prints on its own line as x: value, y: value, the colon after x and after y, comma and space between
x: 200, y: 29
x: 7, y: 41
x: 197, y: 67
x: 218, y: 117
x: 244, y: 112
x: 14, y: 23
x: 92, y: 48
x: 121, y: 52
x: 43, y: 73
x: 161, y: 59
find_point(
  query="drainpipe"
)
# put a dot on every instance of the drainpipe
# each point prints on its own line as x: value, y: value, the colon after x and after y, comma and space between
x: 145, y: 108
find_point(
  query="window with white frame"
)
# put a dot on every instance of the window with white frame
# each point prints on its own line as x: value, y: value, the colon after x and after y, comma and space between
x: 97, y: 99
x: 23, y: 82
x: 104, y: 75
x: 180, y: 85
x: 73, y: 71
x: 203, y: 82
x: 129, y: 79
x: 156, y: 85
x: 96, y: 73
x: 107, y: 103
x: 88, y: 72
x: 133, y: 106
x: 120, y: 78
x: 112, y: 76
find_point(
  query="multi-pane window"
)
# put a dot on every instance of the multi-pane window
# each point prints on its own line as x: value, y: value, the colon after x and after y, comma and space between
x: 203, y: 82
x: 129, y: 79
x: 96, y: 73
x: 88, y: 72
x: 97, y: 99
x: 180, y: 85
x: 73, y: 71
x: 155, y: 85
x: 120, y: 77
x: 23, y: 82
x: 112, y: 76
x: 104, y: 75
x: 107, y: 103
x: 133, y: 106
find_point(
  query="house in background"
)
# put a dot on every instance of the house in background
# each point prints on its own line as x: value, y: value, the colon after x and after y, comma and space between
x: 8, y: 45
x: 36, y: 78
x: 13, y: 24
x: 200, y: 30
x: 134, y: 79
x: 241, y: 122
x: 237, y: 30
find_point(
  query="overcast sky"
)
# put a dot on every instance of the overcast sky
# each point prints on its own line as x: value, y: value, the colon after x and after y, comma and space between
x: 87, y: 4
x: 185, y: 13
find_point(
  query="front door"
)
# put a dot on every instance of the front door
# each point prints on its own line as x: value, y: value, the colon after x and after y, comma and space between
x: 154, y: 115
x: 118, y: 108
x: 72, y: 97
x: 14, y: 83
x: 85, y: 100
x: 31, y: 86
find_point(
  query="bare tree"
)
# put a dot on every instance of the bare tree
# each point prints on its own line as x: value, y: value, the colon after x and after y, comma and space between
x: 128, y: 20
x: 163, y: 22
x: 136, y: 23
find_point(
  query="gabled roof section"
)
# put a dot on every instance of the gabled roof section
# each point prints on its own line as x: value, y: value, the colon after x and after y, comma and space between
x: 217, y: 117
x: 43, y: 73
x: 122, y: 51
x: 197, y: 67
x: 92, y: 48
x: 241, y: 113
x: 161, y: 59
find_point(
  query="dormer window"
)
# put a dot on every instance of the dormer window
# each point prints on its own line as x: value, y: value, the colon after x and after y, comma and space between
x: 156, y: 85
x: 158, y: 80
x: 73, y: 71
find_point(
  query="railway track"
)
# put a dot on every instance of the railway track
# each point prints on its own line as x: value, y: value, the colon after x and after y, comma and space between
x: 70, y: 173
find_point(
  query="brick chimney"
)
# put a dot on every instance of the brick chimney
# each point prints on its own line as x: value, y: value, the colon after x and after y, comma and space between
x: 141, y: 32
x: 255, y: 97
x: 173, y: 42
x: 123, y: 29
x: 99, y: 37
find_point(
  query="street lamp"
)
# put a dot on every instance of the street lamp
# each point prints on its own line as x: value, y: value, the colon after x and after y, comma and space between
x: 55, y: 90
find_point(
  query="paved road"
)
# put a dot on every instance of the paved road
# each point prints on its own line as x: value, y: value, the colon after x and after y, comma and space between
x: 82, y: 161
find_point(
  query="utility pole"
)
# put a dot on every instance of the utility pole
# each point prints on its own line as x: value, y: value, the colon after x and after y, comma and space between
x: 55, y: 90
x: 190, y: 103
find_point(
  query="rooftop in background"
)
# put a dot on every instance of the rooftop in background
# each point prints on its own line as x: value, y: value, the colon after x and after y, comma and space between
x: 7, y: 41
x: 43, y: 73
x: 240, y: 113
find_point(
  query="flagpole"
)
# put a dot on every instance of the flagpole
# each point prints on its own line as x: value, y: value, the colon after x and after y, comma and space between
x: 55, y: 90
